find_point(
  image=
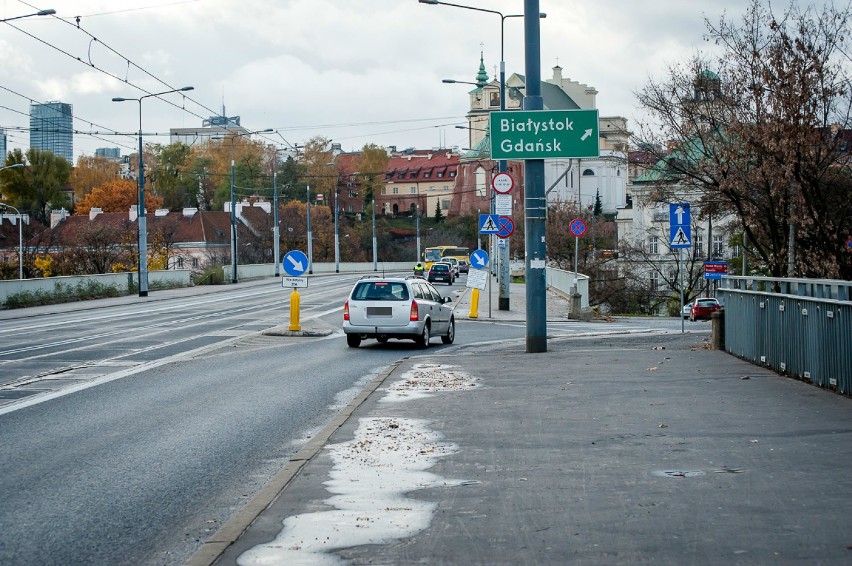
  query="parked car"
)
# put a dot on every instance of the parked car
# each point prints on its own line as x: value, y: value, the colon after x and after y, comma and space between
x: 441, y: 272
x: 703, y: 308
x: 464, y: 267
x: 400, y: 308
x: 687, y: 310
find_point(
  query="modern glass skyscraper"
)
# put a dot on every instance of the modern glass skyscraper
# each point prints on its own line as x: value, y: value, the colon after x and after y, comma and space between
x: 52, y: 129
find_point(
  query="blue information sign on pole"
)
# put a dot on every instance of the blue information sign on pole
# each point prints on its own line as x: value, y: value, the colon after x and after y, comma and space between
x: 680, y: 229
x: 295, y: 263
x: 479, y: 259
x: 489, y: 223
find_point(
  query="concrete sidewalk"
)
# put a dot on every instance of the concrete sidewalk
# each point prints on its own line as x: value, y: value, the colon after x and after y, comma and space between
x: 609, y: 450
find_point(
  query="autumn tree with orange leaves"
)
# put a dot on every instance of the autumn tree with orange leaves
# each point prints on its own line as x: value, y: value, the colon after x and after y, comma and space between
x: 116, y: 196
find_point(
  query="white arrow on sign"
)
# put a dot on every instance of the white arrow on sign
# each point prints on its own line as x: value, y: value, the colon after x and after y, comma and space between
x: 296, y: 264
x: 480, y: 261
x: 586, y: 135
x: 679, y: 213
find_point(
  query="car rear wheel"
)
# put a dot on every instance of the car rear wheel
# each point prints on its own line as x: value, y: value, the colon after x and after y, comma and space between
x: 353, y: 340
x: 451, y: 333
x: 423, y: 340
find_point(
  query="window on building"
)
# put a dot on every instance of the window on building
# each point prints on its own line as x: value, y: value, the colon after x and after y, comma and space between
x: 440, y: 174
x: 588, y: 173
x: 395, y: 191
x: 452, y: 173
x: 480, y: 181
x: 445, y: 204
x: 179, y: 260
x: 735, y: 251
x: 653, y: 245
x: 401, y: 175
x: 195, y: 262
x: 654, y: 281
x: 698, y: 243
x: 718, y: 245
x: 413, y: 190
x: 426, y: 175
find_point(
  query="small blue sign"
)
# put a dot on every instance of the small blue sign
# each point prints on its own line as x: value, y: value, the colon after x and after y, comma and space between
x: 479, y: 259
x: 489, y: 223
x: 680, y: 229
x: 295, y: 263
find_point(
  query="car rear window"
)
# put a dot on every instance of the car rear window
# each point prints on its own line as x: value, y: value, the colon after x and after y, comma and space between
x: 440, y: 267
x: 380, y: 291
x: 707, y: 303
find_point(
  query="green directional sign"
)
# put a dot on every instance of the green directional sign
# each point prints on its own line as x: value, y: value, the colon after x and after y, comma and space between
x: 544, y: 134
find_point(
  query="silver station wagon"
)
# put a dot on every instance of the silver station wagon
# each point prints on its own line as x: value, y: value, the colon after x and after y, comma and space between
x: 400, y: 308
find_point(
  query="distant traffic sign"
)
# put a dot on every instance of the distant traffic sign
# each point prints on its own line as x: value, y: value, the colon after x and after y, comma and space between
x: 577, y: 227
x: 680, y: 229
x: 543, y: 134
x: 479, y: 259
x: 715, y: 269
x: 488, y: 224
x: 506, y: 227
x: 502, y: 183
x: 295, y: 263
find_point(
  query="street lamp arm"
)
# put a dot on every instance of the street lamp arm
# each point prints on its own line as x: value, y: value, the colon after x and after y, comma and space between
x: 47, y: 12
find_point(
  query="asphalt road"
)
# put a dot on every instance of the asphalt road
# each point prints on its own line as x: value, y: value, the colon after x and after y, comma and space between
x: 149, y: 424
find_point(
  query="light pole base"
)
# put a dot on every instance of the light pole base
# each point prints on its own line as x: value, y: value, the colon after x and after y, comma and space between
x: 503, y: 303
x: 143, y: 293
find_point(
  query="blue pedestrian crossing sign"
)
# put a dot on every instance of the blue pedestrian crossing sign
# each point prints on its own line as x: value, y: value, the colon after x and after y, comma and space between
x: 295, y: 263
x: 479, y: 259
x: 489, y: 223
x: 680, y: 228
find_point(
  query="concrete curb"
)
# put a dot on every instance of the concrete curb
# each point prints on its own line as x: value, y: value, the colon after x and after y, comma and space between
x: 231, y: 531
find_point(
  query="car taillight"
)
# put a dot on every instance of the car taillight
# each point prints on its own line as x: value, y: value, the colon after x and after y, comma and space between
x: 415, y: 314
x: 346, y: 310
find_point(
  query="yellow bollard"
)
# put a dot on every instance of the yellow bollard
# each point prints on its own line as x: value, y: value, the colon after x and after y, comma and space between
x: 294, y: 311
x: 474, y: 304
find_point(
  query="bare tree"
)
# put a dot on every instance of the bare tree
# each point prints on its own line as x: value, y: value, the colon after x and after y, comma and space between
x: 761, y: 132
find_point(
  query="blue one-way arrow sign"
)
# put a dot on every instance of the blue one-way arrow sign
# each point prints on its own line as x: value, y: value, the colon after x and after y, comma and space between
x: 680, y: 229
x: 295, y: 263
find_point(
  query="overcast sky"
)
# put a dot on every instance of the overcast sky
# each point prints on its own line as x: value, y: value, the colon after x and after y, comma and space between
x: 355, y: 71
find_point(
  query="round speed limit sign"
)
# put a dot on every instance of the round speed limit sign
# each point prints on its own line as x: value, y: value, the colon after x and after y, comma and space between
x: 502, y: 183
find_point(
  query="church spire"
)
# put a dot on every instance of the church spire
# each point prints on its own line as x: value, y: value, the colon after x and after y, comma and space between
x: 482, y: 75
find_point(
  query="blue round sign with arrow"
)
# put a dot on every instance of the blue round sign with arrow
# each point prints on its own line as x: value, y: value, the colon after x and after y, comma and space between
x: 295, y: 263
x: 479, y: 259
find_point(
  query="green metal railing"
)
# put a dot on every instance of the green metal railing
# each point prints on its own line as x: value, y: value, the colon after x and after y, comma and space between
x: 797, y: 327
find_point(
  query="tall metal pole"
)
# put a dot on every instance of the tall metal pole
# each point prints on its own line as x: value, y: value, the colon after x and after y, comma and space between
x: 417, y: 211
x: 503, y: 252
x: 142, y: 219
x: 233, y: 220
x: 276, y: 244
x: 310, y: 236
x: 336, y: 237
x: 534, y: 197
x: 375, y: 241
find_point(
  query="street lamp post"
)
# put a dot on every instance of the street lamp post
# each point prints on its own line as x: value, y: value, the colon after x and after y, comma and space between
x: 234, y: 247
x: 336, y: 236
x: 275, y: 243
x: 503, y: 255
x: 140, y: 211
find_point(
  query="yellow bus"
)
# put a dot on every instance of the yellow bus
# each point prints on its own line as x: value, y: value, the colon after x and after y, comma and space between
x: 436, y: 253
